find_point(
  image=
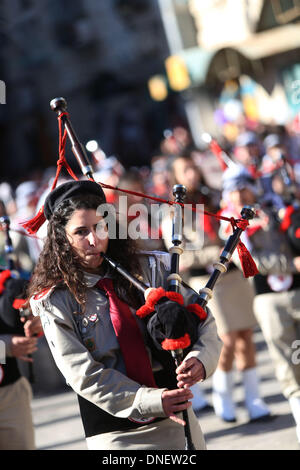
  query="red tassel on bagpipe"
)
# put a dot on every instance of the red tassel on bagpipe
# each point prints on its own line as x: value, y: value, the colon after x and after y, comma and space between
x: 34, y: 224
x: 247, y: 263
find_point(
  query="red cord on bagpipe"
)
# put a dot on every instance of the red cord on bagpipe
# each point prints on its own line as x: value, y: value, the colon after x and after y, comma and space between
x: 33, y: 225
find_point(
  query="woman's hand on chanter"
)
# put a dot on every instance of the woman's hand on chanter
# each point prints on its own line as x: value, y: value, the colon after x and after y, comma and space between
x: 189, y: 372
x: 175, y: 401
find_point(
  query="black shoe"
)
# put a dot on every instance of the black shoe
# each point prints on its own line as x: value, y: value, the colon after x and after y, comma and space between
x: 205, y: 409
x: 263, y: 419
x: 228, y: 420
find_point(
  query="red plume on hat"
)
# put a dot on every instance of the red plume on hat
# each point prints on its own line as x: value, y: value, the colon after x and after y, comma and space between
x: 34, y: 224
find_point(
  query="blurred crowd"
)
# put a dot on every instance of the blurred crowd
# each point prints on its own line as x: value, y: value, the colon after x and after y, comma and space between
x: 271, y: 155
x: 260, y: 168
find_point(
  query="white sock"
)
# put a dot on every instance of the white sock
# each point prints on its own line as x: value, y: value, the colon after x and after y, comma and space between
x: 256, y: 407
x: 199, y: 401
x: 222, y: 395
x: 295, y: 407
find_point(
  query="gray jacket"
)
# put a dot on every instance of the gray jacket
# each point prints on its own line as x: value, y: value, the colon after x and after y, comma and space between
x: 86, y: 350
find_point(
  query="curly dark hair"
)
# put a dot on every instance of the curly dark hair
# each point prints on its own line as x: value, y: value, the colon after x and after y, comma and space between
x: 59, y: 266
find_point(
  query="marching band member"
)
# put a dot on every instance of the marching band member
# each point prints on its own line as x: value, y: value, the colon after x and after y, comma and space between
x: 127, y: 390
x: 16, y: 426
x: 232, y: 305
x: 277, y: 290
x: 18, y: 331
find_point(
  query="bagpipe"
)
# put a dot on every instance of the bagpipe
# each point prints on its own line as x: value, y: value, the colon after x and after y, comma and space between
x: 290, y: 225
x: 14, y: 310
x: 287, y: 218
x: 172, y: 326
x: 290, y: 221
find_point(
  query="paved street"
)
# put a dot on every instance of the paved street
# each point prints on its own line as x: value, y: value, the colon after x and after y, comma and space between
x: 58, y: 425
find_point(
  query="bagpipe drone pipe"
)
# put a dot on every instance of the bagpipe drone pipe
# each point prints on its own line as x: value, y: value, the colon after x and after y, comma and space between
x: 283, y: 205
x: 289, y: 216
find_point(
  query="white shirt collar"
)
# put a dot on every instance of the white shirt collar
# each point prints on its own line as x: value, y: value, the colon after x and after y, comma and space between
x: 92, y: 279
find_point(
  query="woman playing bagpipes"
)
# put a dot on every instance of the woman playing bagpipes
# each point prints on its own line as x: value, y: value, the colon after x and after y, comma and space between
x: 131, y: 396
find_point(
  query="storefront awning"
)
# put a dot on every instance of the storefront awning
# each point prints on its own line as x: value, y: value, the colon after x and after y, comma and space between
x: 232, y: 59
x: 197, y: 61
x: 271, y: 42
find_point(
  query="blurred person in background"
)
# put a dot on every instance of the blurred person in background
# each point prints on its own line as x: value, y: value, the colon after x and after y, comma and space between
x: 176, y: 141
x: 16, y: 426
x: 281, y: 190
x: 183, y: 170
x: 109, y: 172
x: 7, y: 196
x: 209, y: 165
x: 2, y: 237
x: 277, y: 169
x: 159, y: 184
x: 232, y: 306
x: 293, y: 139
x: 248, y: 151
x: 275, y: 153
x: 138, y: 210
x: 277, y: 291
x: 18, y: 333
x: 26, y: 248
